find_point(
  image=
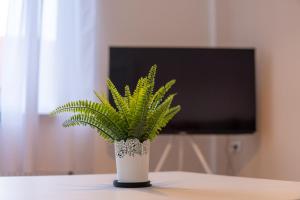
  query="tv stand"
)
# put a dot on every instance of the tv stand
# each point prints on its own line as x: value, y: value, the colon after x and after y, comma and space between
x: 195, y: 147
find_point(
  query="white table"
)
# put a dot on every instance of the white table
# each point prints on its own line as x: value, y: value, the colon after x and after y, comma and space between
x: 166, y: 185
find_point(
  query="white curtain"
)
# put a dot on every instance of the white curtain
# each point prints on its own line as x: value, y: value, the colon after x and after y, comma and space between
x: 49, y: 59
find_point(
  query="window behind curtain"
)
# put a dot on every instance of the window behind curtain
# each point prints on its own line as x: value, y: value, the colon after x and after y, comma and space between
x: 3, y: 21
x: 66, y: 56
x: 48, y: 38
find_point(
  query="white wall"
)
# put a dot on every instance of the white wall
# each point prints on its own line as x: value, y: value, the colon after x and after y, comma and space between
x: 272, y: 27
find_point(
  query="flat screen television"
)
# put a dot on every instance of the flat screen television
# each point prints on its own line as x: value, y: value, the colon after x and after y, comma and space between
x: 215, y: 86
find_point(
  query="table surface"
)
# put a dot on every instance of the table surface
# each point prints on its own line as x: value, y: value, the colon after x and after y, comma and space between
x: 166, y: 185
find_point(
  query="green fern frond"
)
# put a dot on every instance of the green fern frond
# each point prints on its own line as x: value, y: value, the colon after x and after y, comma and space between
x: 142, y: 103
x: 97, y: 110
x: 135, y: 98
x: 102, y: 98
x: 151, y: 78
x: 161, y: 92
x: 172, y: 111
x: 110, y: 109
x: 88, y: 120
x: 138, y: 114
x: 127, y: 94
x: 154, y: 124
x: 127, y: 91
x: 169, y: 115
x: 119, y: 101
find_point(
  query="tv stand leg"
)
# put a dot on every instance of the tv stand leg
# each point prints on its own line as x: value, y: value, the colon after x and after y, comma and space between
x: 195, y: 147
x: 200, y: 156
x: 180, y: 152
x: 164, y: 155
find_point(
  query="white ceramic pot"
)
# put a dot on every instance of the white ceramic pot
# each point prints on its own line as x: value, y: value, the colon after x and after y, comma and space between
x: 132, y: 160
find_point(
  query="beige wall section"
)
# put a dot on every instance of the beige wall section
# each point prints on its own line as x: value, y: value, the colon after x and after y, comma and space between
x: 272, y: 26
x: 155, y: 23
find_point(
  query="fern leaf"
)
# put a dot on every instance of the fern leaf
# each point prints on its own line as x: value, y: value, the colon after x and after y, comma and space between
x: 84, y: 120
x: 135, y: 98
x: 140, y: 115
x: 110, y: 109
x: 100, y: 111
x: 103, y: 99
x: 169, y: 115
x: 161, y: 92
x: 119, y: 101
x: 151, y: 78
x: 127, y: 96
x: 127, y: 91
x: 140, y: 108
x: 153, y: 121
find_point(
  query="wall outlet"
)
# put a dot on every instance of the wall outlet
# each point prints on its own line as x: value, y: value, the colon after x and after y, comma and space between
x: 235, y: 146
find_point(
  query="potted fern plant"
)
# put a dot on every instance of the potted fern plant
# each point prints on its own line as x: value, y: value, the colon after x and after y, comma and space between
x: 134, y: 121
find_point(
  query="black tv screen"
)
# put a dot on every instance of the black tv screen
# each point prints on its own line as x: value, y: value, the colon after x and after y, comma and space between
x: 215, y: 86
